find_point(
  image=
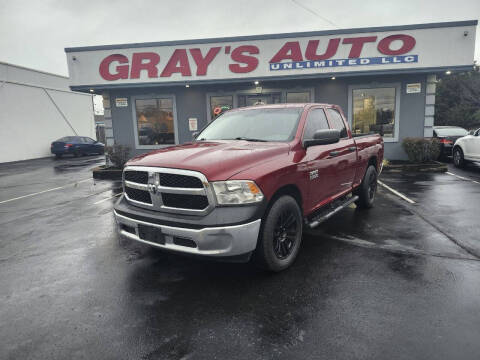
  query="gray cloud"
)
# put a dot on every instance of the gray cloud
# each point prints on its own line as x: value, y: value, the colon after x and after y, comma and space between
x: 34, y: 33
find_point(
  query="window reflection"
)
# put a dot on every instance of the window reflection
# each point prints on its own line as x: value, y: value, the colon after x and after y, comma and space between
x: 220, y: 104
x: 374, y: 111
x: 155, y: 124
x: 259, y: 99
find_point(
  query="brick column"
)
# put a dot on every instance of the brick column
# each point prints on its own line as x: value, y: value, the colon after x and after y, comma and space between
x: 429, y: 105
x: 107, y: 113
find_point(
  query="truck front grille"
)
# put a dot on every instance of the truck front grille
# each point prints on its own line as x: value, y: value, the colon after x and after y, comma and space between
x: 180, y: 181
x: 140, y: 177
x: 197, y: 202
x: 168, y: 190
x: 138, y: 195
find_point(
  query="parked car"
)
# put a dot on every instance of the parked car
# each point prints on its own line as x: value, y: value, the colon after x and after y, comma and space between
x: 76, y: 146
x: 467, y: 148
x: 447, y: 135
x: 249, y: 183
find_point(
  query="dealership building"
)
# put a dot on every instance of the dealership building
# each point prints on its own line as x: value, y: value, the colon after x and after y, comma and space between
x: 159, y: 94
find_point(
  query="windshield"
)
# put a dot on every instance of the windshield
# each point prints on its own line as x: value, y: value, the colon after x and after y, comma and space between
x: 451, y: 131
x: 262, y: 124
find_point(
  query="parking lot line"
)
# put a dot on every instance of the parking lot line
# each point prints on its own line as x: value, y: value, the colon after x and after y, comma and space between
x: 462, y: 177
x: 111, y: 197
x: 458, y: 176
x: 399, y: 194
x: 44, y: 191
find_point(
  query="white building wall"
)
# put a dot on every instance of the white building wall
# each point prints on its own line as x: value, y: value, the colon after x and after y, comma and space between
x: 35, y: 109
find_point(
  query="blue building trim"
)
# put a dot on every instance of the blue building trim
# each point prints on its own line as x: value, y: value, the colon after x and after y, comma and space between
x: 275, y: 36
x: 273, y: 78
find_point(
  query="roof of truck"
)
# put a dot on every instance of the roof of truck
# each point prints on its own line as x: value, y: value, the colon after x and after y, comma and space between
x: 286, y: 105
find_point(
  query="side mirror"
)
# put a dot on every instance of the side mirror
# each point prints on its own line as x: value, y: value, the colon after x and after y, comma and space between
x: 471, y: 132
x: 323, y: 137
x: 195, y: 134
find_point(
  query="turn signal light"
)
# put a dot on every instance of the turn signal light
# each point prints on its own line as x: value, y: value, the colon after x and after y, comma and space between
x: 253, y: 188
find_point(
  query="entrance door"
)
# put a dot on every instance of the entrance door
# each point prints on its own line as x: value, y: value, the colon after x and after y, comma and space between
x: 259, y: 99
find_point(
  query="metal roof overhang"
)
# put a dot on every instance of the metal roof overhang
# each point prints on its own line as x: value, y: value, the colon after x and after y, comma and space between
x: 436, y: 70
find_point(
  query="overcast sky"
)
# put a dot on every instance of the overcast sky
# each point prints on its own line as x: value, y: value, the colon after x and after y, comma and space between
x: 34, y: 33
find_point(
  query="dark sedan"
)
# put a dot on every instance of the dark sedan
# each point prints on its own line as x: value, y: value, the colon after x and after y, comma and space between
x: 76, y: 146
x: 447, y: 135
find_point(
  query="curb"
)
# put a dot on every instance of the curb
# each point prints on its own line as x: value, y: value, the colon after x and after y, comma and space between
x: 435, y: 167
x: 103, y: 173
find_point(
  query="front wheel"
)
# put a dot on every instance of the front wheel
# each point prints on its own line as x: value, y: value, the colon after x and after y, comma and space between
x: 458, y: 159
x: 367, y: 189
x: 281, y: 235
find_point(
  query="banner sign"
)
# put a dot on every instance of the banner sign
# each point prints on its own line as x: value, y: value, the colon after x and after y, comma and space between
x: 345, y: 62
x: 263, y: 57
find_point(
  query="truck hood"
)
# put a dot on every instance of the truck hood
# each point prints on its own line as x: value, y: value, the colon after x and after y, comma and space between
x: 218, y: 160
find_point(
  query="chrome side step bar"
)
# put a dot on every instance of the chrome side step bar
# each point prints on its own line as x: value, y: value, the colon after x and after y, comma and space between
x: 317, y: 220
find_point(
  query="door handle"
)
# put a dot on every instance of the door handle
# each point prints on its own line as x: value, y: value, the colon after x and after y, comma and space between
x: 352, y: 148
x: 334, y: 153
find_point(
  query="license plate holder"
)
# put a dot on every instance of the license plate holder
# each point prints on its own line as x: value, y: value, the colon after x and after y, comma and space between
x: 152, y: 234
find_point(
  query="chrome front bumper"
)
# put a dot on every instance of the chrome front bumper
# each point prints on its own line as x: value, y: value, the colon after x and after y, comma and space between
x: 213, y: 241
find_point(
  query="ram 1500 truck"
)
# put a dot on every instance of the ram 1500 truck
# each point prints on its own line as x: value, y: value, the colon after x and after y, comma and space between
x: 249, y: 183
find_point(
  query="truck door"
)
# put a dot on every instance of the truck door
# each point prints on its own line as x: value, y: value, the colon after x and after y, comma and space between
x: 320, y: 166
x: 344, y: 153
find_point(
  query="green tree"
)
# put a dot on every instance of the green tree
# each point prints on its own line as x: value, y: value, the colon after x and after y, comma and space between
x: 458, y: 100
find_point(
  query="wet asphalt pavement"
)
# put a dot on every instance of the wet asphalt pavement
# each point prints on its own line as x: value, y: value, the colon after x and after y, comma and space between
x: 400, y: 281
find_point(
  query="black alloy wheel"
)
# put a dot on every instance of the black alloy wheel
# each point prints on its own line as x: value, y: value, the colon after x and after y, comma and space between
x: 372, y: 185
x: 280, y: 235
x: 285, y: 234
x: 367, y: 189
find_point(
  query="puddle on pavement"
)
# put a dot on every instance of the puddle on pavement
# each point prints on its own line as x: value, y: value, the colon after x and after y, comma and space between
x: 76, y: 164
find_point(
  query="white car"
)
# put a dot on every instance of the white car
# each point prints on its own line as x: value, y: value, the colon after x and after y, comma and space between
x: 467, y: 148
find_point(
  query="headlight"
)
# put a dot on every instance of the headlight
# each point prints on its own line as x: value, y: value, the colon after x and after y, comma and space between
x: 235, y: 192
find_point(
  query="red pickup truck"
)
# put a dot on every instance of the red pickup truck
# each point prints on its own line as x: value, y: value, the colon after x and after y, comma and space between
x: 249, y: 183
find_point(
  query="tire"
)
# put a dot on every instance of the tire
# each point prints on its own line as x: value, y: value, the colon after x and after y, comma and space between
x: 367, y: 189
x: 58, y: 156
x: 458, y: 159
x: 280, y: 236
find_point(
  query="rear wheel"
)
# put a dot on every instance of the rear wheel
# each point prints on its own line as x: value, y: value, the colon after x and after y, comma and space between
x: 367, y: 189
x: 458, y: 159
x: 281, y: 235
x: 58, y: 156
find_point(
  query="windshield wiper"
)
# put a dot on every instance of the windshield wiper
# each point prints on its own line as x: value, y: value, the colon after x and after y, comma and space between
x: 249, y: 139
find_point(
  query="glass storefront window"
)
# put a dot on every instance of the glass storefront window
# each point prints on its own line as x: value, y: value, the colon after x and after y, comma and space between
x: 298, y: 97
x: 259, y: 99
x: 374, y: 111
x: 220, y: 104
x: 155, y: 123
